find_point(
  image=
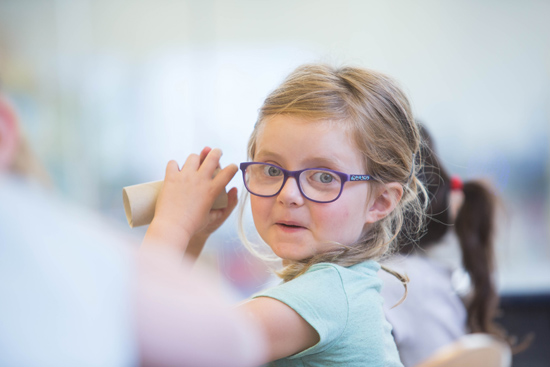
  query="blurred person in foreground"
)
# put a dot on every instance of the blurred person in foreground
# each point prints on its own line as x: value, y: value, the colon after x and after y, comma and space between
x: 74, y: 292
x: 434, y: 313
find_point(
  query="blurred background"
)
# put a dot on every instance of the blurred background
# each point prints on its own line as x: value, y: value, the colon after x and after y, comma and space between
x: 109, y: 90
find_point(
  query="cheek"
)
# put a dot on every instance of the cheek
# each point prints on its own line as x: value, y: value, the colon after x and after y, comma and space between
x: 343, y: 223
x: 254, y: 207
x: 333, y: 220
x: 260, y: 210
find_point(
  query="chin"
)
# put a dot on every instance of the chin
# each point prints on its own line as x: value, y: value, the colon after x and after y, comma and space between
x: 292, y: 254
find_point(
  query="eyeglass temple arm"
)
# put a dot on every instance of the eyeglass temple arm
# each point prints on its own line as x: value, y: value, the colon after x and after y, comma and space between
x: 360, y: 178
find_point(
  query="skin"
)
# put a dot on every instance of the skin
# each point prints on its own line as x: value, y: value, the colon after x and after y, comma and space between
x: 293, y: 144
x: 183, y: 218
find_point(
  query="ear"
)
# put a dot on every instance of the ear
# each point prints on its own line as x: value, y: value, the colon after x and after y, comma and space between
x: 9, y: 134
x: 384, y: 202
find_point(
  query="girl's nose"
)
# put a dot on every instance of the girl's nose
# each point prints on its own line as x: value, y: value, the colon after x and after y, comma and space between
x: 290, y: 193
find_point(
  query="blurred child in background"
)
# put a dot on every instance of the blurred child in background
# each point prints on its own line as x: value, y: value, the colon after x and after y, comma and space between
x: 74, y: 293
x: 434, y: 314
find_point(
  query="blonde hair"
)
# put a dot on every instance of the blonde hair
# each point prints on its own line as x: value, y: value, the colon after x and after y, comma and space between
x: 377, y: 114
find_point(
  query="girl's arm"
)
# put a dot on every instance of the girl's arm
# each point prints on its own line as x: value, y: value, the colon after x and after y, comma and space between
x: 286, y: 332
x: 183, y: 214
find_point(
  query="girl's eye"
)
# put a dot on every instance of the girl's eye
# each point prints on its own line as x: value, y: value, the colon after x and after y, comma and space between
x: 272, y: 171
x: 323, y: 177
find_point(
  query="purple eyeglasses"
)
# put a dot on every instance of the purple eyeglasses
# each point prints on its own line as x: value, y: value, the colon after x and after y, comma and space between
x: 320, y: 185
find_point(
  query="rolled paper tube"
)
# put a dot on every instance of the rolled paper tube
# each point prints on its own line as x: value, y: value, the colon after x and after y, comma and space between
x: 140, y: 201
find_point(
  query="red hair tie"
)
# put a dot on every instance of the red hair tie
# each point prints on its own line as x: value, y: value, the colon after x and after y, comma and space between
x: 456, y: 183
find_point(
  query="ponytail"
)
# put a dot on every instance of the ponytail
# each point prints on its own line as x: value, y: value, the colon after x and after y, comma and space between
x: 474, y: 226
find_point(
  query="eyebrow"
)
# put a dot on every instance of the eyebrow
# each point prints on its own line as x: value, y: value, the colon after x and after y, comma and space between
x: 314, y: 162
x: 267, y: 154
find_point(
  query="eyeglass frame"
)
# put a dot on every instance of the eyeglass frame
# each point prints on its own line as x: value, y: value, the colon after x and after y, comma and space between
x: 345, y: 177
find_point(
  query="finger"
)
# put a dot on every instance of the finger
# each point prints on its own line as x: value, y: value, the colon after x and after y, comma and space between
x: 211, y: 162
x: 171, y: 168
x: 192, y: 163
x: 204, y: 153
x: 232, y: 201
x: 225, y: 175
x: 216, y: 215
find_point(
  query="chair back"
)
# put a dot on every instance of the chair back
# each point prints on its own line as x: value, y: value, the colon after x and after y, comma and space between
x: 472, y: 350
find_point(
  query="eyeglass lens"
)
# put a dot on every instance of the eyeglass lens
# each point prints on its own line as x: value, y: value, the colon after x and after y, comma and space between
x: 316, y: 184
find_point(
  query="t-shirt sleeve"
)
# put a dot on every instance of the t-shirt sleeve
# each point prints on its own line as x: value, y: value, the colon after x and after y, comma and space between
x: 320, y: 298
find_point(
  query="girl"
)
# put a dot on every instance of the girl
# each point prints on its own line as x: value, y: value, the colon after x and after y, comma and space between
x: 330, y: 173
x: 468, y: 211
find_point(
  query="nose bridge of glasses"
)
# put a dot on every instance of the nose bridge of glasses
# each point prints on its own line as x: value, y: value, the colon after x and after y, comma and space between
x: 291, y: 176
x: 290, y: 189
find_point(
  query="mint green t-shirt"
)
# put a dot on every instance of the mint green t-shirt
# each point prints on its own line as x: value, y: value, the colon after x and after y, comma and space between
x: 344, y: 306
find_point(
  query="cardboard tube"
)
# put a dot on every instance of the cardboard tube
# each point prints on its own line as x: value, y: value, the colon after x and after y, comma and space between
x: 140, y: 201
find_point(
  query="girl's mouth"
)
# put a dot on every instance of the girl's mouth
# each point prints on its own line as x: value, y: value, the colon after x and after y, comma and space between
x: 289, y: 226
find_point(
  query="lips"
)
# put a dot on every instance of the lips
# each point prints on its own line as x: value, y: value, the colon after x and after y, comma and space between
x: 290, y: 225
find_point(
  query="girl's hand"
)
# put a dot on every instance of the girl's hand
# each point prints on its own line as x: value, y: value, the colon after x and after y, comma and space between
x: 216, y: 217
x: 184, y: 204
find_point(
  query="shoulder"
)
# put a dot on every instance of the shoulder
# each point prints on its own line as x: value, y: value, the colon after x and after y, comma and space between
x: 360, y: 271
x: 327, y: 280
x: 313, y: 284
x: 316, y: 298
x: 321, y: 297
x: 299, y: 314
x: 320, y: 288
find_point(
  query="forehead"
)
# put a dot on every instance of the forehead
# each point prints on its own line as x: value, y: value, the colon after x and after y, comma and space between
x: 301, y: 143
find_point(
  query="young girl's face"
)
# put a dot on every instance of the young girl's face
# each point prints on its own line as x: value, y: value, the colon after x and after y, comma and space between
x: 297, y: 228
